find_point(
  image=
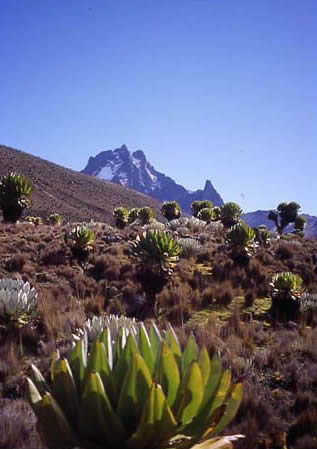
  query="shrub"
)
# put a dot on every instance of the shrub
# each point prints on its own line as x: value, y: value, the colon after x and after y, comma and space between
x: 196, y: 206
x: 287, y: 291
x: 80, y: 240
x: 189, y: 247
x: 146, y: 215
x: 121, y: 215
x: 230, y: 213
x: 15, y: 192
x: 18, y: 302
x: 181, y: 222
x: 299, y: 224
x: 217, y: 213
x: 55, y: 219
x: 133, y: 214
x: 147, y: 393
x: 36, y: 221
x: 240, y: 239
x: 171, y: 210
x: 262, y: 235
x: 205, y: 214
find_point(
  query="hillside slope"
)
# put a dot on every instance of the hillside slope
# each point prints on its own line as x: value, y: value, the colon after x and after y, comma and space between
x: 76, y: 196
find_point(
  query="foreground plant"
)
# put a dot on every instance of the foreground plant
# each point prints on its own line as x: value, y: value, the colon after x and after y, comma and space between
x: 18, y: 302
x: 15, y: 192
x: 286, y: 296
x: 146, y: 394
x: 80, y: 240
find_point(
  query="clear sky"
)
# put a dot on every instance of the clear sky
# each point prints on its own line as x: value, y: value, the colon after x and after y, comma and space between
x: 218, y: 89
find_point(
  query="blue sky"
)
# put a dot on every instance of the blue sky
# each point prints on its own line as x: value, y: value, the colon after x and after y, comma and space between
x: 218, y: 89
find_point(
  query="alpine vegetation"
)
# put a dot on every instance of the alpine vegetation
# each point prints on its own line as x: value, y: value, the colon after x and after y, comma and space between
x: 171, y: 210
x: 157, y: 249
x: 230, y: 214
x: 94, y: 326
x: 55, y: 219
x: 15, y: 192
x: 286, y: 295
x: 285, y: 214
x: 241, y: 241
x: 121, y: 215
x: 18, y: 302
x: 148, y: 393
x: 81, y: 240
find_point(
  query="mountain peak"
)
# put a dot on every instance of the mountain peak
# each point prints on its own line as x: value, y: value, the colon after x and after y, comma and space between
x: 134, y: 171
x: 139, y: 155
x: 208, y: 186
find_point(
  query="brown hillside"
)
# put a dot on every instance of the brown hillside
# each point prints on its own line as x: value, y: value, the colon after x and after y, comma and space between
x: 74, y: 195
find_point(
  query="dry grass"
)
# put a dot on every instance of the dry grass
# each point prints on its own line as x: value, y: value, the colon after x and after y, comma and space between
x: 227, y: 312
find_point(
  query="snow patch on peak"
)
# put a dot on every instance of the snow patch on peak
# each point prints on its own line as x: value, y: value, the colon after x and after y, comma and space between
x: 136, y: 162
x: 152, y: 177
x: 106, y: 173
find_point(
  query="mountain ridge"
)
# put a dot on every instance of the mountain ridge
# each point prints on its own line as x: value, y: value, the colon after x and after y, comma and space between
x: 76, y: 196
x: 133, y: 170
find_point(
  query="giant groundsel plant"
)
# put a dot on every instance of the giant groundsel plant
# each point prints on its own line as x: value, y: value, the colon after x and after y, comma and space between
x: 15, y: 192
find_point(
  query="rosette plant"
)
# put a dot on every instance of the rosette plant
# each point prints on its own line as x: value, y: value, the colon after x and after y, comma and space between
x: 205, y: 214
x: 80, y: 240
x: 263, y: 235
x: 121, y: 216
x: 146, y: 394
x: 158, y: 253
x: 146, y: 215
x: 95, y: 325
x: 230, y: 214
x: 196, y: 206
x: 157, y: 250
x: 171, y: 210
x: 36, y: 221
x: 18, y: 302
x: 15, y: 192
x: 55, y: 219
x: 286, y: 295
x: 133, y: 214
x: 241, y: 241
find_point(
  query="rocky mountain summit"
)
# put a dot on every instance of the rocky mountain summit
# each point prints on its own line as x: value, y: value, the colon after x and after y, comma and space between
x: 133, y: 170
